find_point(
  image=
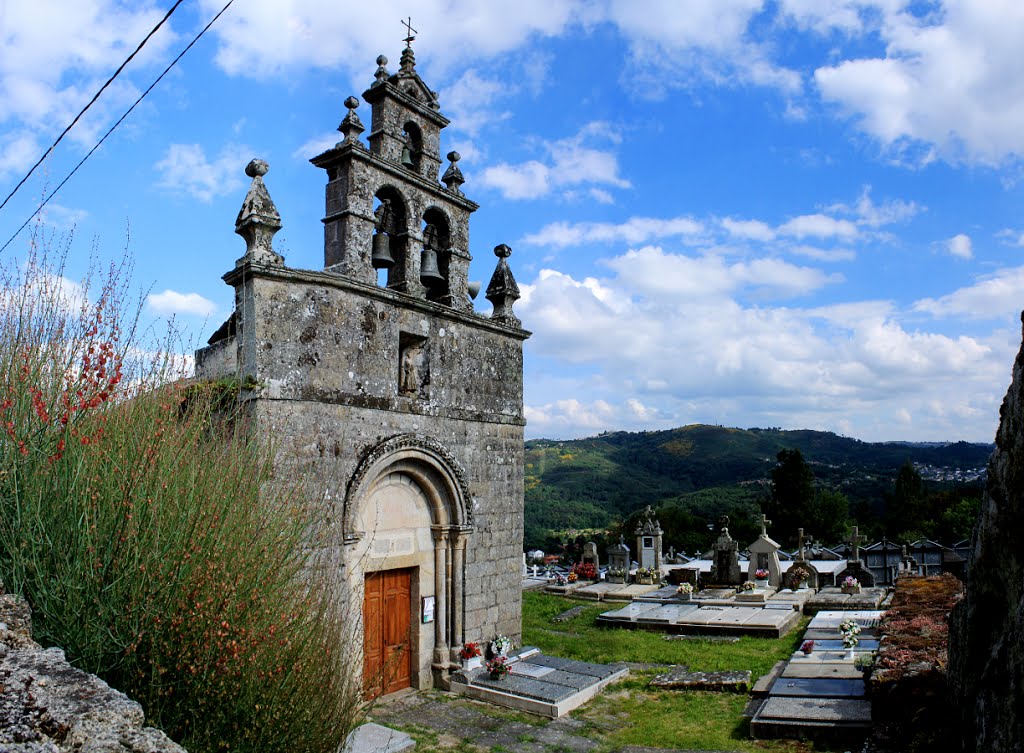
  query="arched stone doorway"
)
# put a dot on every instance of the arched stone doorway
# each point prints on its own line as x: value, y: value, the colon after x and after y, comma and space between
x: 406, y: 524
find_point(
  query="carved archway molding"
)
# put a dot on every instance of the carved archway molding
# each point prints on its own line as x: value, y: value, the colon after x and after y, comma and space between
x: 430, y: 464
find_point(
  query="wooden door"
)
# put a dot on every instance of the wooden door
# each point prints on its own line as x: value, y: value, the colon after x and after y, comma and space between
x: 387, y: 634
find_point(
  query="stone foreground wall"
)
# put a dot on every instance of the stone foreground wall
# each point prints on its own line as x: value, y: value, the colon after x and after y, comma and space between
x: 986, y: 649
x: 48, y: 706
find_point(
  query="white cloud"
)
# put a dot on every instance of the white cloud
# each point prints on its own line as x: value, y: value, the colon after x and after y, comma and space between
x: 823, y: 254
x: 307, y: 34
x: 686, y: 340
x: 818, y: 226
x: 754, y: 230
x: 317, y: 145
x: 470, y: 101
x: 999, y: 296
x: 950, y: 80
x: 652, y: 272
x: 869, y: 214
x: 960, y: 246
x: 633, y: 231
x: 54, y: 55
x: 1011, y: 237
x: 173, y: 302
x: 62, y: 217
x: 677, y: 45
x: 186, y: 169
x: 572, y: 161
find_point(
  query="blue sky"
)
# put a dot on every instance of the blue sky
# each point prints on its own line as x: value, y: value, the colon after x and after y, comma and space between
x: 800, y: 213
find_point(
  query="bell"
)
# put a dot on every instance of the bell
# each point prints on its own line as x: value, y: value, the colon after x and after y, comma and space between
x: 407, y: 157
x: 381, y: 257
x: 429, y: 273
x: 474, y: 289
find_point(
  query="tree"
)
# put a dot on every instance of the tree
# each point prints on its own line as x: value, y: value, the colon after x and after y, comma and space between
x: 907, y: 507
x: 792, y: 495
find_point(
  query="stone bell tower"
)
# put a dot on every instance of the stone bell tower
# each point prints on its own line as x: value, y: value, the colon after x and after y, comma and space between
x: 397, y: 404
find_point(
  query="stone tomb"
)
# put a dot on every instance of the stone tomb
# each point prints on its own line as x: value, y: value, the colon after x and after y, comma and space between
x: 725, y: 566
x: 544, y: 685
x: 764, y: 555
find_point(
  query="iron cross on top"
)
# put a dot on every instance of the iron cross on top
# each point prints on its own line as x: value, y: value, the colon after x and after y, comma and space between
x: 410, y: 33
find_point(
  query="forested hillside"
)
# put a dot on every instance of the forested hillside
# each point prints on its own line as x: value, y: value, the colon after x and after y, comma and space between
x: 696, y: 473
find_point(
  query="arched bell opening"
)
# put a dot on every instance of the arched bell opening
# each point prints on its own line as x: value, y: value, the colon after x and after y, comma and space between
x: 436, y: 258
x: 412, y: 148
x: 390, y: 235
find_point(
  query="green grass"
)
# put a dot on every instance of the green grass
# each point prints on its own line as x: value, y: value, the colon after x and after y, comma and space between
x: 581, y: 638
x: 631, y: 712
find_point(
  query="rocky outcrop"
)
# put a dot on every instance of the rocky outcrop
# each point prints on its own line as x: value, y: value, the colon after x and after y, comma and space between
x: 987, y: 634
x: 48, y: 706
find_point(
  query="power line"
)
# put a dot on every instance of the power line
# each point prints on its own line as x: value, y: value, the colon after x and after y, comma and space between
x: 119, y: 121
x: 90, y: 104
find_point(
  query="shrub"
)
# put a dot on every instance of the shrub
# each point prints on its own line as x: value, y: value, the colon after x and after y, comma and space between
x: 135, y: 519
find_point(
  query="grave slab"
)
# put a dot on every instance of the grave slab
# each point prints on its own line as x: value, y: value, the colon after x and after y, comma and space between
x: 630, y: 612
x: 830, y: 619
x: 772, y: 618
x: 764, y: 682
x: 577, y: 667
x: 598, y: 591
x: 666, y: 614
x: 681, y: 678
x: 715, y: 593
x: 755, y: 597
x: 836, y: 644
x: 819, y: 687
x: 823, y: 670
x: 703, y: 615
x: 569, y: 614
x: 736, y: 615
x: 831, y: 710
x: 832, y: 634
x: 531, y: 670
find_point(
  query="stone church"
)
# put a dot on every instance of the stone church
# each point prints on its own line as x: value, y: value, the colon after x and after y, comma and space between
x: 394, y: 401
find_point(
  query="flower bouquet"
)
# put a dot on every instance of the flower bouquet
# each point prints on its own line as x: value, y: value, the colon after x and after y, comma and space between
x: 470, y: 654
x: 498, y: 667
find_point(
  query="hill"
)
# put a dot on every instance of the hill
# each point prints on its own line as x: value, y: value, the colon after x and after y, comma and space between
x: 709, y: 470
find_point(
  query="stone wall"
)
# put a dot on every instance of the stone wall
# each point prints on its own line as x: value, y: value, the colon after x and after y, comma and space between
x: 987, y: 634
x: 46, y: 705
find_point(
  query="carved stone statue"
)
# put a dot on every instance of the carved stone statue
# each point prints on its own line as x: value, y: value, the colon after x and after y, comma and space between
x: 409, y: 371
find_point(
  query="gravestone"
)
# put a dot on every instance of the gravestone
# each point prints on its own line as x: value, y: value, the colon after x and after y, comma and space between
x: 801, y: 561
x: 854, y: 567
x: 590, y: 554
x: 764, y: 555
x: 725, y: 556
x: 618, y: 555
x: 648, y: 540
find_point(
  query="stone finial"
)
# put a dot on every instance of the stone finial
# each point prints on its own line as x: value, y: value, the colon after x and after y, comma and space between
x: 502, y: 291
x: 382, y: 74
x: 407, y: 64
x: 351, y: 126
x: 452, y: 177
x: 258, y: 219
